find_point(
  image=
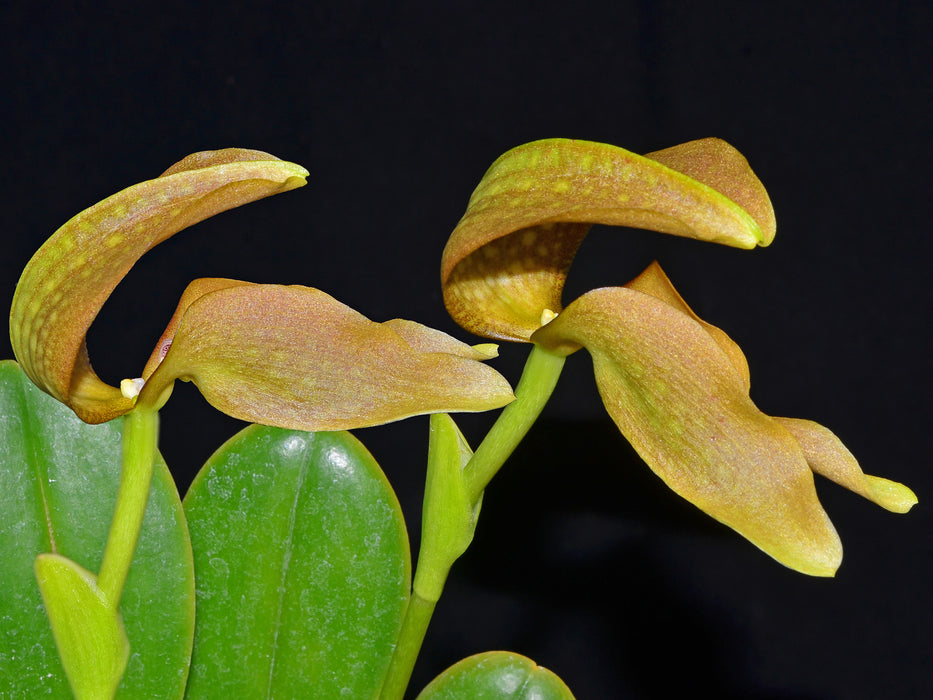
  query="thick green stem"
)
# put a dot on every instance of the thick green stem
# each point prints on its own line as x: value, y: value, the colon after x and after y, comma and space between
x: 140, y: 435
x: 414, y: 627
x: 539, y: 378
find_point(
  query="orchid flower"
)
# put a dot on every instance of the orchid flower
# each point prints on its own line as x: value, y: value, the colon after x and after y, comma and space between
x: 676, y: 387
x: 288, y: 356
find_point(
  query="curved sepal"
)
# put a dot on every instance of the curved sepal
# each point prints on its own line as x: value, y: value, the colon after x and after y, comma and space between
x: 679, y: 400
x: 67, y: 281
x: 496, y: 675
x: 717, y: 164
x: 295, y: 357
x: 88, y: 629
x: 507, y: 259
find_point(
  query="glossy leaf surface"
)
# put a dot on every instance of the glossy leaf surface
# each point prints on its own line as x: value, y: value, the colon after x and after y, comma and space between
x: 58, y: 485
x: 496, y: 675
x: 302, y: 566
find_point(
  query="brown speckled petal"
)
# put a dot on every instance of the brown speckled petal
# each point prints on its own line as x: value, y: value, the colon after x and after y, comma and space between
x: 507, y: 259
x: 717, y: 164
x: 68, y: 280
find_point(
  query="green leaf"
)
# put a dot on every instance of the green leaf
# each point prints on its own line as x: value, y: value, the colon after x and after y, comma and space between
x: 88, y: 629
x: 58, y: 485
x: 302, y: 566
x: 496, y: 675
x: 449, y: 516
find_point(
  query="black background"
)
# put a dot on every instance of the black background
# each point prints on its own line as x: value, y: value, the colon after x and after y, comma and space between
x: 583, y: 560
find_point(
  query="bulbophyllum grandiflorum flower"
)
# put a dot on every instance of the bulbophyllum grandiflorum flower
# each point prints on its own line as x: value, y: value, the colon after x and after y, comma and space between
x: 289, y: 356
x: 677, y: 387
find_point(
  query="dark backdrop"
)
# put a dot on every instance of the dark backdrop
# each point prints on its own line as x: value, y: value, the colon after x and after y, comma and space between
x: 583, y: 559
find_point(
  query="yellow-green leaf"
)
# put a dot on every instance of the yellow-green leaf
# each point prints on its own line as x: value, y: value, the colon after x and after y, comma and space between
x: 58, y: 486
x: 88, y: 629
x: 449, y: 515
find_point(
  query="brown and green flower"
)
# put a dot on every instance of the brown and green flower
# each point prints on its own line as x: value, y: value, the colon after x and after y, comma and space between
x: 289, y: 356
x: 677, y: 387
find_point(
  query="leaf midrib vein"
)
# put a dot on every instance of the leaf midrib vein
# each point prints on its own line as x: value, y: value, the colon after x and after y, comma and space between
x: 42, y: 475
x: 287, y: 547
